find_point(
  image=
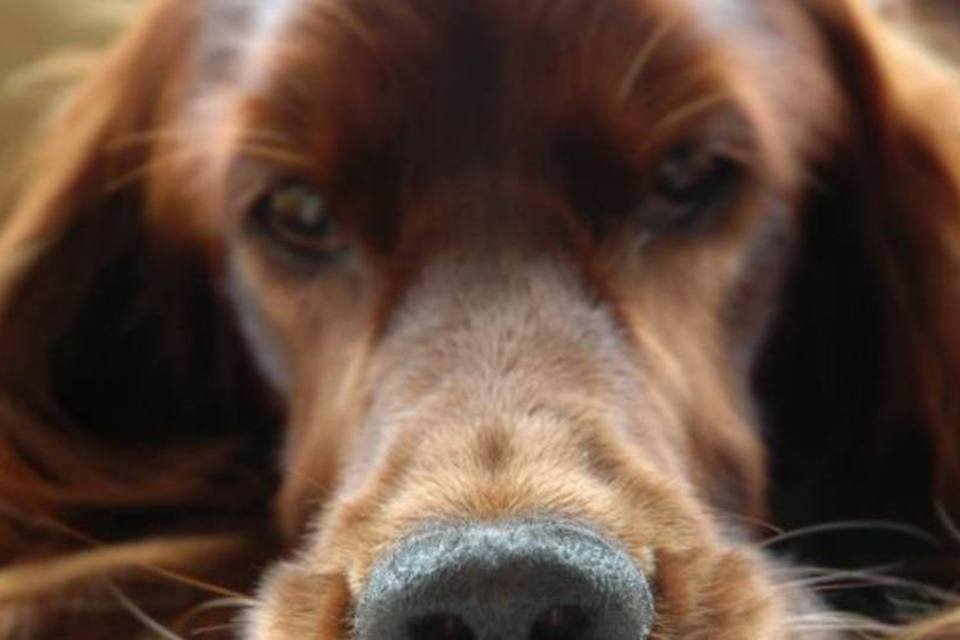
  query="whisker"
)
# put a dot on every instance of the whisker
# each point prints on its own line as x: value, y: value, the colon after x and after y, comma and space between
x: 127, y: 179
x: 202, y: 585
x: 835, y: 621
x: 827, y: 583
x: 341, y: 16
x: 225, y: 603
x: 152, y: 136
x: 870, y: 578
x: 308, y: 478
x: 947, y: 521
x: 911, y: 607
x: 863, y: 634
x: 185, y: 132
x: 755, y: 522
x: 946, y: 625
x: 852, y: 525
x: 677, y: 117
x: 54, y: 526
x: 23, y: 581
x: 212, y: 605
x: 262, y: 146
x: 142, y: 616
x: 213, y: 628
x: 833, y: 571
x: 288, y: 157
x: 190, y: 132
x: 640, y: 61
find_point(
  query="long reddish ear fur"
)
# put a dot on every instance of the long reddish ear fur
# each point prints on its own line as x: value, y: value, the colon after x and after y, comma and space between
x: 906, y: 106
x: 862, y: 381
x: 127, y: 408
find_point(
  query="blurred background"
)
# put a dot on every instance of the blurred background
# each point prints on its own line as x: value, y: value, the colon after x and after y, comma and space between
x: 44, y: 46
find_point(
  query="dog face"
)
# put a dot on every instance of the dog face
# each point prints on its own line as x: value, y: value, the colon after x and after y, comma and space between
x: 468, y: 284
x: 508, y: 268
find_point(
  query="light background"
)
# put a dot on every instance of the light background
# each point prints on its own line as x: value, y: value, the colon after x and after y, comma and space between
x: 44, y: 46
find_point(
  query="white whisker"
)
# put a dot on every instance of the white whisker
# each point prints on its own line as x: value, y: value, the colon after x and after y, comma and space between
x: 142, y: 616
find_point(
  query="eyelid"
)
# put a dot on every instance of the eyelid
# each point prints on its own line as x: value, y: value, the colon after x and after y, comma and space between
x: 248, y: 179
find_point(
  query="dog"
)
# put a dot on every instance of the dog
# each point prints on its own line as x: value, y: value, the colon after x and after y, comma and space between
x: 476, y: 319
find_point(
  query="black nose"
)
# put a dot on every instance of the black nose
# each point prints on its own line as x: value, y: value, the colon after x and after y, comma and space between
x: 525, y: 580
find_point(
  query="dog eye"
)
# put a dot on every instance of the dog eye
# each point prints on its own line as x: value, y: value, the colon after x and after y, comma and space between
x: 689, y: 182
x: 298, y: 217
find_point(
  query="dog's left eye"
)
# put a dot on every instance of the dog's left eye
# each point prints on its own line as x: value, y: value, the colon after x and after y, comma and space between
x: 297, y: 217
x: 689, y: 181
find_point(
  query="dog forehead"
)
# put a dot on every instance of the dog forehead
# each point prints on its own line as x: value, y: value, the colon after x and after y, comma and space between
x: 376, y: 90
x: 567, y: 19
x: 400, y: 16
x: 417, y: 63
x: 395, y: 32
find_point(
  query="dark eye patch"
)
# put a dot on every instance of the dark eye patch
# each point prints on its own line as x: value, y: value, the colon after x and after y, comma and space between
x: 600, y: 183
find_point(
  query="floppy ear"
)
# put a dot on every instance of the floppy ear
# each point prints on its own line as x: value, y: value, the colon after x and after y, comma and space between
x: 122, y: 380
x: 863, y: 372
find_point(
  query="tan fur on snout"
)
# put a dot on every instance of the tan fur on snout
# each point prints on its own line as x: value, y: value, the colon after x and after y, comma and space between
x: 488, y: 403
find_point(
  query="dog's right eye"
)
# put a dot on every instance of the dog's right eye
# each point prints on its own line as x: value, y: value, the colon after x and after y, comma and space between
x: 690, y: 182
x: 298, y: 218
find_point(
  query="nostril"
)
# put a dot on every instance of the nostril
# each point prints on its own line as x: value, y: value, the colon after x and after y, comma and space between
x: 561, y: 623
x: 441, y: 626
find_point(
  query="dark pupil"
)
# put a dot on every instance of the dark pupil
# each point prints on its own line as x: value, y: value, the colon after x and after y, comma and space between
x: 689, y: 175
x: 301, y: 211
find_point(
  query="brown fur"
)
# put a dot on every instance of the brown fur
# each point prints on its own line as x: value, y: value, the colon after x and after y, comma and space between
x: 506, y: 339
